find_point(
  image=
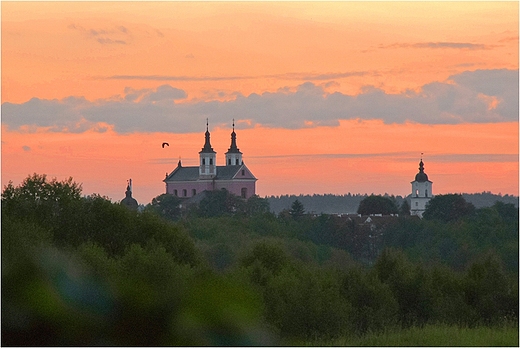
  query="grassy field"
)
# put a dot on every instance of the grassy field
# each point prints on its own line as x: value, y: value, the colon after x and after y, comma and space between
x: 437, y: 335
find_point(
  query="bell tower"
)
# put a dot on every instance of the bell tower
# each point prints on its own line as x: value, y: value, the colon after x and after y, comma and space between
x: 233, y: 155
x: 207, y: 156
x: 421, y: 192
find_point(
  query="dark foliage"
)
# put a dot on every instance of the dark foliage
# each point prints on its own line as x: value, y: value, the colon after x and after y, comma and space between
x: 297, y: 209
x: 377, y: 205
x: 448, y: 208
x: 167, y: 206
x: 404, y: 209
x: 223, y: 203
x: 85, y: 271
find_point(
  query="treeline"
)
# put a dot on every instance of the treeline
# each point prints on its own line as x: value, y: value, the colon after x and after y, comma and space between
x: 82, y: 270
x: 349, y: 203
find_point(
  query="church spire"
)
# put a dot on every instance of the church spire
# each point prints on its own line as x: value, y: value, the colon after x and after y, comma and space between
x: 208, y: 158
x: 421, y: 176
x: 233, y: 148
x: 233, y: 155
x: 207, y: 144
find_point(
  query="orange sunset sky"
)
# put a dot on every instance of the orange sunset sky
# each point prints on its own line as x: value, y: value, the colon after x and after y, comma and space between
x: 327, y: 97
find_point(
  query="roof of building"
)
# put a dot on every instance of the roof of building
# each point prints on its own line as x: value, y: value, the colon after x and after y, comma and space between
x: 129, y: 201
x: 192, y: 173
x: 421, y: 176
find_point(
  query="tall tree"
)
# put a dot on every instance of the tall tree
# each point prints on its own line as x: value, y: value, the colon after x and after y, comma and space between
x: 297, y: 209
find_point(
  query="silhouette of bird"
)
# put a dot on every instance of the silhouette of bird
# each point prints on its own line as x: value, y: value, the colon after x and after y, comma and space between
x: 165, y: 144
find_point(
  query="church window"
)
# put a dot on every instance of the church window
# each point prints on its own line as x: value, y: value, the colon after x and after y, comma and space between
x: 243, y: 172
x: 229, y: 161
x: 203, y: 161
x: 416, y: 204
x: 426, y: 193
x: 175, y: 192
x: 184, y: 193
x: 417, y: 193
x: 193, y: 192
x: 211, y: 161
x: 243, y: 192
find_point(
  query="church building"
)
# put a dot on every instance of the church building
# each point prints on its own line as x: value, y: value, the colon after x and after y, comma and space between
x: 234, y: 176
x: 421, y: 192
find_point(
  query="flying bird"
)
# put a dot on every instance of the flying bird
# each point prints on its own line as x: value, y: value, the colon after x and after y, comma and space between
x: 165, y: 144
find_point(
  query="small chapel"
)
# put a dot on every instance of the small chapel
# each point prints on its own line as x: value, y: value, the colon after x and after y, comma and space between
x: 234, y: 176
x: 421, y: 192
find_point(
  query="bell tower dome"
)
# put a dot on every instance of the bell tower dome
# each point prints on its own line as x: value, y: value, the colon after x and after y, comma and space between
x: 207, y: 156
x: 233, y: 155
x: 421, y: 192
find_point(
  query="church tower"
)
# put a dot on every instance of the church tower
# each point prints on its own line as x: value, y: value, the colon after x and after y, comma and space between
x: 129, y: 201
x: 421, y: 192
x: 208, y: 159
x: 233, y: 155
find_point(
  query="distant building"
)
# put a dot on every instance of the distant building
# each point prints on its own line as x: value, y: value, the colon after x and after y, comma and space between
x: 129, y: 201
x: 186, y: 182
x: 421, y: 192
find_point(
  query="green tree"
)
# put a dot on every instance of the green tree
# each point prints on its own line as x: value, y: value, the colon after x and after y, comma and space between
x: 166, y: 205
x: 377, y: 205
x: 507, y: 211
x: 297, y: 209
x: 449, y: 207
x: 220, y: 203
x: 38, y: 199
x: 404, y: 210
x: 490, y: 291
x: 269, y: 255
x: 409, y: 284
x: 256, y: 205
x: 373, y: 304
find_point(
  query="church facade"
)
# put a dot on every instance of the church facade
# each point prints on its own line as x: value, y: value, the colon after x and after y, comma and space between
x: 234, y: 176
x: 421, y: 192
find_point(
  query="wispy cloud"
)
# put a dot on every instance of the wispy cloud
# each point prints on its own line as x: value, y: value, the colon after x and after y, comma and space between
x: 435, y: 45
x: 177, y: 78
x: 475, y: 157
x: 114, y: 35
x: 286, y: 76
x: 509, y: 39
x: 403, y: 156
x: 408, y: 156
x: 470, y: 97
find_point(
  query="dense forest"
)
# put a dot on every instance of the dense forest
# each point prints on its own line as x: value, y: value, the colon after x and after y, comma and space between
x: 82, y: 270
x: 348, y: 203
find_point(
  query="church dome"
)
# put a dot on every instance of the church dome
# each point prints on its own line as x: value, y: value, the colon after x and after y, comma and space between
x: 421, y: 176
x: 129, y: 201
